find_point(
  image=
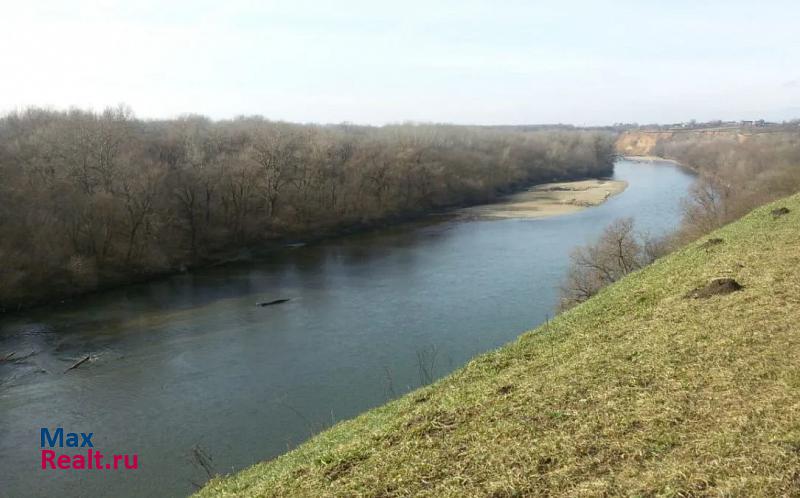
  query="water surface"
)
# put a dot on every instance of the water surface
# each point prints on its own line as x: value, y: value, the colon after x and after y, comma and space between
x: 190, y: 360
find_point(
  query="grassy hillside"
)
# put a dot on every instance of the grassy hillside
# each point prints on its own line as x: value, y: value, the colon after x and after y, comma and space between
x: 640, y: 391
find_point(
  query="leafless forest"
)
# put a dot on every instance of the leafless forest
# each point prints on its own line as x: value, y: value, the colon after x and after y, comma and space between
x: 88, y: 200
x: 735, y: 174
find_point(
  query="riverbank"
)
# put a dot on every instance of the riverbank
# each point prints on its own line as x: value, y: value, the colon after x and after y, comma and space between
x: 650, y: 159
x: 365, y: 311
x: 645, y: 389
x: 56, y: 296
x: 659, y: 159
x: 549, y: 199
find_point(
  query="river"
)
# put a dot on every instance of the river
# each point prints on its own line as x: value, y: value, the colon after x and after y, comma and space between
x: 190, y: 361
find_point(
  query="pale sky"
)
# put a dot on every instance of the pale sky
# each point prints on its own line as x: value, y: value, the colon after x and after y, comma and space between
x: 373, y: 62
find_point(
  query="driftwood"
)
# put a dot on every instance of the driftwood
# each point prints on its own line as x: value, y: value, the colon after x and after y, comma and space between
x: 15, y: 358
x: 271, y: 303
x: 78, y: 363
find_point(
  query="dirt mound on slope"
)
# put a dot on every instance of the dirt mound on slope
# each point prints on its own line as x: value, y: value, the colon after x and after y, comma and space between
x: 711, y: 243
x: 777, y: 213
x: 715, y: 287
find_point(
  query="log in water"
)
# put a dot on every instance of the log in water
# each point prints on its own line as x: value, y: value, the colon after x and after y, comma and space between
x: 189, y: 362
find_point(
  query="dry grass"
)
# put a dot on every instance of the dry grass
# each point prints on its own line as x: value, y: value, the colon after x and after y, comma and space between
x: 640, y: 391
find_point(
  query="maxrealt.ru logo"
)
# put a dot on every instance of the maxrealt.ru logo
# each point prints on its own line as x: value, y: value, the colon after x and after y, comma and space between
x: 92, y: 459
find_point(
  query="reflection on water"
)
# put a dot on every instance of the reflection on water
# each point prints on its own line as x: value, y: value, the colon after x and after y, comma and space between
x: 191, y: 360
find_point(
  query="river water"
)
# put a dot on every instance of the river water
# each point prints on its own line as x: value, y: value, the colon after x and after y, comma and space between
x: 190, y: 361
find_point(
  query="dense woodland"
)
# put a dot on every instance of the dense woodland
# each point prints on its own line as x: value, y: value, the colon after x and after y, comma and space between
x: 735, y: 174
x: 88, y: 199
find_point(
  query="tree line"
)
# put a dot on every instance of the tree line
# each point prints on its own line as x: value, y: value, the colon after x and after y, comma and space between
x: 735, y: 174
x: 91, y: 199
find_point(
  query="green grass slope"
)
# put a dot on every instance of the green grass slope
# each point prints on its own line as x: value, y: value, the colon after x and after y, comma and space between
x: 640, y: 391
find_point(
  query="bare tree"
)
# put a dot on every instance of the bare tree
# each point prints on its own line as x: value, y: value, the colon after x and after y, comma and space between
x: 87, y: 198
x: 618, y: 252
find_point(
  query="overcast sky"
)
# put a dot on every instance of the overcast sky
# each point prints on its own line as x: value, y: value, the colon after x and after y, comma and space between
x: 460, y: 61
